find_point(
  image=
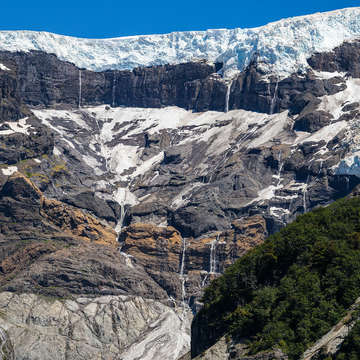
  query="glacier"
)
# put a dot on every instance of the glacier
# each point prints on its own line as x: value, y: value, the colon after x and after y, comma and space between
x: 283, y: 46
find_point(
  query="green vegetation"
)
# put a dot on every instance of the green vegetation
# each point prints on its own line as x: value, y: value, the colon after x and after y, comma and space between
x: 58, y: 169
x: 41, y: 177
x: 291, y: 290
x: 350, y: 349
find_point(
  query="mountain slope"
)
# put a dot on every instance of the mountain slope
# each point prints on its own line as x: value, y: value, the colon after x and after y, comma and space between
x: 289, y: 291
x: 236, y: 47
x: 150, y: 182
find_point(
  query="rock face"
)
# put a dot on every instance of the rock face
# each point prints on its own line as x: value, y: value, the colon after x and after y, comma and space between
x: 106, y: 327
x: 42, y: 79
x: 6, y: 347
x: 10, y: 101
x: 52, y: 249
x: 227, y: 348
x: 343, y: 59
x: 253, y: 91
x: 22, y: 201
x: 167, y: 256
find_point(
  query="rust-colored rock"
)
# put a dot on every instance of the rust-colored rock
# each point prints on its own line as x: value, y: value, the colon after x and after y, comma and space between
x: 160, y: 251
x: 26, y: 203
x: 155, y: 247
x: 51, y: 248
x: 77, y: 223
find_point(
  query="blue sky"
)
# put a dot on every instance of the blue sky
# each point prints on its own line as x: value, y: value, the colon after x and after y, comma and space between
x: 110, y: 18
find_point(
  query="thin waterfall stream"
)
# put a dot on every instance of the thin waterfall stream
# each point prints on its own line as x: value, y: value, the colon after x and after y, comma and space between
x: 213, y: 264
x: 274, y: 98
x: 280, y: 167
x: 80, y: 85
x: 227, y: 96
x: 113, y: 90
x: 182, y: 275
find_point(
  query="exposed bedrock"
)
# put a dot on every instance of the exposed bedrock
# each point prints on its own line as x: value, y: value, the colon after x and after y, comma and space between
x: 45, y: 80
x: 40, y: 79
x: 51, y: 248
x: 90, y: 327
x: 343, y: 59
x: 10, y: 102
x: 37, y: 142
x: 164, y: 253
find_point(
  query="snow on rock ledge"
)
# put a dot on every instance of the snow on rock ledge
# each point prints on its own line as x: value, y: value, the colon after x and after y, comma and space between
x: 284, y: 45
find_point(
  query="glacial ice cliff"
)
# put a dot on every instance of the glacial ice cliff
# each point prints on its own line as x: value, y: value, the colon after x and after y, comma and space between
x: 283, y: 45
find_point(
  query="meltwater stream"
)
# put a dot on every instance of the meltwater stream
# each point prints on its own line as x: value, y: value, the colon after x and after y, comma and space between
x: 182, y: 275
x: 114, y: 90
x: 213, y: 264
x: 79, y: 88
x: 227, y: 96
x: 273, y: 100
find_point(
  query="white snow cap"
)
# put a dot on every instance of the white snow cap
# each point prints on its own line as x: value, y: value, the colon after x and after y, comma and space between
x: 284, y: 45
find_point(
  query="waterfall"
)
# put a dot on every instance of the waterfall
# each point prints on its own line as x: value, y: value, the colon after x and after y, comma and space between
x: 304, y: 194
x: 203, y: 283
x: 280, y: 166
x: 304, y: 199
x: 120, y: 223
x: 127, y: 257
x: 227, y: 97
x: 182, y: 276
x: 273, y: 100
x: 79, y: 88
x: 289, y: 208
x: 321, y: 166
x: 213, y: 264
x: 120, y: 196
x: 113, y: 90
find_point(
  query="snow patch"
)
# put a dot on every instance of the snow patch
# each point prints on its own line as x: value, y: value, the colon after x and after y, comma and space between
x: 9, y: 170
x: 334, y: 103
x: 272, y: 130
x: 19, y: 126
x: 3, y: 67
x: 326, y: 133
x: 328, y: 75
x: 56, y: 151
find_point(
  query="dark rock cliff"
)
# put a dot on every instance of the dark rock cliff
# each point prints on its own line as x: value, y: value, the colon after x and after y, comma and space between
x: 45, y: 80
x: 10, y: 103
x: 343, y: 59
x: 41, y: 79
